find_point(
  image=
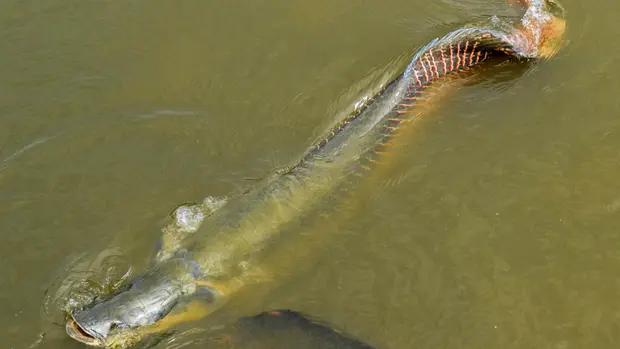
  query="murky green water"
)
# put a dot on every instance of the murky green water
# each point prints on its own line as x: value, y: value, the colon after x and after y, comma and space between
x: 495, y: 228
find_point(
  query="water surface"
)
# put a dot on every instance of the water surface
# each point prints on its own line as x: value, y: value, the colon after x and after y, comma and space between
x: 494, y: 227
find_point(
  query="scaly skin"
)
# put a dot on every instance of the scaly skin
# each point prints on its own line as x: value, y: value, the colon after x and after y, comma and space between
x: 197, y: 275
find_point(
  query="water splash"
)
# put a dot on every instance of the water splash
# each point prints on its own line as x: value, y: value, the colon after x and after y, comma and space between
x: 542, y: 29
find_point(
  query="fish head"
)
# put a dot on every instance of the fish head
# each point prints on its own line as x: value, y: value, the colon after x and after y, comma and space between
x: 124, y: 318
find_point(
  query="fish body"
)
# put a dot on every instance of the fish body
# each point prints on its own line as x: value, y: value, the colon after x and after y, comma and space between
x: 226, y: 241
x: 203, y: 264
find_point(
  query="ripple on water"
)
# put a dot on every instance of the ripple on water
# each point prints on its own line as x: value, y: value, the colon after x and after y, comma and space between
x: 81, y: 280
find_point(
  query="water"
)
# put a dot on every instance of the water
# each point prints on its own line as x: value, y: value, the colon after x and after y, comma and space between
x: 495, y: 227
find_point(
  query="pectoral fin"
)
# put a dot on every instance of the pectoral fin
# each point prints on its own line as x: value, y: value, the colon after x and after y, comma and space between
x: 220, y: 288
x: 219, y: 291
x: 190, y: 312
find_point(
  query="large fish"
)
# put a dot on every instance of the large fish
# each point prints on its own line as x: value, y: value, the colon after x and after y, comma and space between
x: 213, y: 250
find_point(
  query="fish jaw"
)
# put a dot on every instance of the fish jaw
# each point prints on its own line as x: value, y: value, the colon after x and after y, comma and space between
x: 75, y: 331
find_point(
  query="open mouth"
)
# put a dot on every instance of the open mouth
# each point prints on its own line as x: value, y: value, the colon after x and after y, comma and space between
x: 78, y: 333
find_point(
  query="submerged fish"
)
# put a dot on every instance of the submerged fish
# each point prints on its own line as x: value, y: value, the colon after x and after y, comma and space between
x: 212, y: 250
x: 279, y: 328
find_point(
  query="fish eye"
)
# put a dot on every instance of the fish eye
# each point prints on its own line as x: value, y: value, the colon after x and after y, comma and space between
x: 118, y: 325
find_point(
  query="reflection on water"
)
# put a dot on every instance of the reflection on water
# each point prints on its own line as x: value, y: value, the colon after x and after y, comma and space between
x: 494, y: 228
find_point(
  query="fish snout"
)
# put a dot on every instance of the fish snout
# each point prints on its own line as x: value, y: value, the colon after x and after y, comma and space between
x: 101, y: 332
x: 83, y: 332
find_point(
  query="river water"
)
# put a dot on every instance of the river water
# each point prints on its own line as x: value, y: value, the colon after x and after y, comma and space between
x: 495, y: 227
